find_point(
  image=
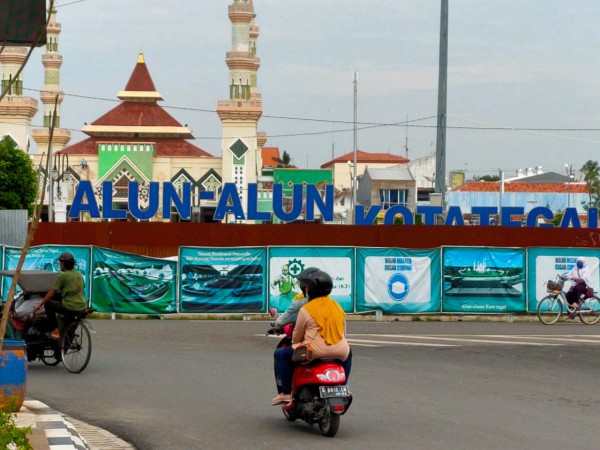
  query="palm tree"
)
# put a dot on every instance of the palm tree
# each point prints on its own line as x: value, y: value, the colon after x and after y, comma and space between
x: 285, y: 161
x: 591, y: 176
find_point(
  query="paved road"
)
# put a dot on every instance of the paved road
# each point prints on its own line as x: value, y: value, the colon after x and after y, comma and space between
x: 164, y: 384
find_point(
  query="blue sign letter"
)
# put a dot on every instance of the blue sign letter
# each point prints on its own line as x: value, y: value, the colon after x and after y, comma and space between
x: 507, y: 213
x: 390, y: 214
x: 253, y: 213
x: 229, y: 203
x: 84, y: 191
x: 133, y: 197
x: 570, y: 219
x: 182, y: 205
x: 361, y: 219
x: 313, y: 196
x: 429, y: 213
x: 484, y: 213
x: 533, y: 215
x: 278, y: 203
x: 107, y: 205
x: 454, y: 216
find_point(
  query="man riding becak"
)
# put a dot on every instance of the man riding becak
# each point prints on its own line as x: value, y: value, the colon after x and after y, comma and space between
x: 70, y: 285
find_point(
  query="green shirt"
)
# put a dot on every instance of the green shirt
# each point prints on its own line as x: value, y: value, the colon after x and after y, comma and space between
x: 70, y: 285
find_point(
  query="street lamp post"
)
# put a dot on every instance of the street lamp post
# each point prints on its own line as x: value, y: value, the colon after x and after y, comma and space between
x: 569, y: 170
x: 58, y: 174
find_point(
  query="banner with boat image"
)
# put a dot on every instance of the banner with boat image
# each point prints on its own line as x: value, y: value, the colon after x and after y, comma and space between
x: 132, y: 284
x: 544, y: 264
x: 286, y: 263
x: 45, y: 257
x: 398, y: 281
x: 483, y: 280
x: 219, y: 280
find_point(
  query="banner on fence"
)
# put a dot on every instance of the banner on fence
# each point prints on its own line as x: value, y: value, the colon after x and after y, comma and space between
x: 397, y: 280
x: 45, y: 257
x: 286, y: 263
x: 132, y: 284
x: 222, y: 280
x: 483, y: 280
x: 2, y: 267
x: 546, y: 264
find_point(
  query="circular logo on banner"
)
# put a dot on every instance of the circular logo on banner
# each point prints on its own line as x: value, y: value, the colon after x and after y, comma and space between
x: 398, y: 287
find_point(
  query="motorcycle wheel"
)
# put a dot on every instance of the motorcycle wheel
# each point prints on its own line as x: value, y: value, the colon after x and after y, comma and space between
x: 330, y: 423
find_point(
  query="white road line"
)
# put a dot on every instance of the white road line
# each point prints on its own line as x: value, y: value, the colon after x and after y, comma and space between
x: 421, y: 344
x: 478, y: 341
x: 550, y: 338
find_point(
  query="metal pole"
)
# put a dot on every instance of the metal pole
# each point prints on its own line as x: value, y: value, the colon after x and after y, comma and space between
x: 50, y: 186
x: 440, y: 153
x: 354, y: 179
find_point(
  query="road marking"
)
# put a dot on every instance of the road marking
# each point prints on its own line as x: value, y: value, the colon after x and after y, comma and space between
x: 420, y: 344
x: 466, y: 339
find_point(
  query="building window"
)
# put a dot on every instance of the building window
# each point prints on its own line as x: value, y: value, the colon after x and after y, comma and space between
x: 393, y: 197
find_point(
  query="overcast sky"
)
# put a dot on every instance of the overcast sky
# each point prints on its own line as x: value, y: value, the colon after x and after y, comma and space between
x: 528, y: 64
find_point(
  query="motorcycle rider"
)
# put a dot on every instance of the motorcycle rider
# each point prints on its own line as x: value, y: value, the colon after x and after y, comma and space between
x: 321, y: 324
x: 70, y: 285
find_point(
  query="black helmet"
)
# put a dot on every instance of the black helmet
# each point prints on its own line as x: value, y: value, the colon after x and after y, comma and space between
x: 66, y: 257
x: 319, y: 283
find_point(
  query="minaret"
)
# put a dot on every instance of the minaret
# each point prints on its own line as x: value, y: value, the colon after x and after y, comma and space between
x: 240, y: 114
x: 16, y: 110
x: 52, y: 61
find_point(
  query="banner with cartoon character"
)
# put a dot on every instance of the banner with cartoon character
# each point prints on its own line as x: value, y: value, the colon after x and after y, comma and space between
x: 286, y: 263
x: 483, y: 280
x: 398, y: 280
x: 219, y: 280
x: 45, y: 257
x: 133, y: 284
x: 545, y: 264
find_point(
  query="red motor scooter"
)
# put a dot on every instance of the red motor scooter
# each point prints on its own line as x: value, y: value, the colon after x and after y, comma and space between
x: 319, y: 390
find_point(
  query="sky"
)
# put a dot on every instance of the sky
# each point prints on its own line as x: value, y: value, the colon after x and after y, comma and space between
x: 530, y: 68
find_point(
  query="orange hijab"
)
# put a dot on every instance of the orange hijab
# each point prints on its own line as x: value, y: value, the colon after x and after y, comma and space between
x: 330, y: 317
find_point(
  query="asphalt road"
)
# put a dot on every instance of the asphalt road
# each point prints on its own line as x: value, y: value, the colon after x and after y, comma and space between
x: 166, y: 384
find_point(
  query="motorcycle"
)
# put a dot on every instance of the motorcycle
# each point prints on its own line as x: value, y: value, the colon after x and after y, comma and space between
x: 73, y: 348
x: 319, y: 391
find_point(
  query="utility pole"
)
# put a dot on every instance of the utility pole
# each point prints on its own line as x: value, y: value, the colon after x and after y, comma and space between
x: 440, y: 152
x: 354, y: 180
x: 569, y: 169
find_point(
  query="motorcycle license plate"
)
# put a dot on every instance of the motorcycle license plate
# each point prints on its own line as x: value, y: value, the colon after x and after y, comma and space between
x: 333, y: 391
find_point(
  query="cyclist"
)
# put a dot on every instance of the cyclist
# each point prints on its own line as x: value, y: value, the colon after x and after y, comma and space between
x: 581, y: 276
x: 69, y: 284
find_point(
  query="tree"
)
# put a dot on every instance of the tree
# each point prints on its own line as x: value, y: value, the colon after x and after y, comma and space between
x: 488, y: 178
x: 18, y: 179
x: 591, y: 176
x: 285, y: 161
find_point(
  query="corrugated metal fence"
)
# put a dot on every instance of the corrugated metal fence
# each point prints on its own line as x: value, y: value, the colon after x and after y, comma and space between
x: 13, y: 227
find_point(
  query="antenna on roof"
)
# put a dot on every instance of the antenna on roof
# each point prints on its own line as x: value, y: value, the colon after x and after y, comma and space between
x: 406, y: 140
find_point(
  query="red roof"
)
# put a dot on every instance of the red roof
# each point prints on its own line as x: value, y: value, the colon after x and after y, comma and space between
x: 494, y: 186
x: 164, y: 147
x: 269, y: 155
x: 364, y: 158
x: 140, y: 79
x: 137, y: 114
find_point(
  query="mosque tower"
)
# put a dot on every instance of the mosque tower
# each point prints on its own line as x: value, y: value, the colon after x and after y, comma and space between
x: 52, y: 61
x: 240, y: 146
x: 16, y: 110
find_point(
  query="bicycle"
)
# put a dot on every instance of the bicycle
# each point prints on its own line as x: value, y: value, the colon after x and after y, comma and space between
x: 551, y: 307
x: 76, y: 342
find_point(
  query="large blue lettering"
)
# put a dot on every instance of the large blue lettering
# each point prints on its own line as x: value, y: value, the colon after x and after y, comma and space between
x: 107, y: 203
x: 593, y: 218
x: 183, y: 205
x: 253, y: 212
x: 454, y: 216
x: 484, y: 213
x: 313, y: 197
x: 361, y: 219
x: 391, y: 213
x: 429, y: 213
x: 507, y: 212
x: 532, y: 217
x: 278, y: 210
x: 570, y: 219
x: 133, y: 198
x: 229, y: 203
x: 85, y: 191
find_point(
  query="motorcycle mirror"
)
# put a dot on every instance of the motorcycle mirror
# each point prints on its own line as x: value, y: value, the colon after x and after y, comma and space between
x: 273, y: 312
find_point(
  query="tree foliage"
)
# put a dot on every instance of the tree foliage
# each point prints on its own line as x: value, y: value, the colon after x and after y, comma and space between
x: 285, y: 161
x: 591, y: 176
x: 18, y: 179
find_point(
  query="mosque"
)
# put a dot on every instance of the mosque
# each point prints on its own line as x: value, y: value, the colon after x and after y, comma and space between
x: 139, y: 141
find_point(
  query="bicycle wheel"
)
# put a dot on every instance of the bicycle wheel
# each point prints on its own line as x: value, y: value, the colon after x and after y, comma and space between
x: 76, y: 347
x: 589, y: 311
x: 549, y: 309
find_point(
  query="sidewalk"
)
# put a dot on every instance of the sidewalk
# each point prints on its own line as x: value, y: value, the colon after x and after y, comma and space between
x: 51, y: 430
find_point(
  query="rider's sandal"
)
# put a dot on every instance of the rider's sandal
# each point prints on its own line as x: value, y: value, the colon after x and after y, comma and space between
x: 281, y: 398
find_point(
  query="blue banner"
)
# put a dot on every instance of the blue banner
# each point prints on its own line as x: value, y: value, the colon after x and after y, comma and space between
x: 133, y: 284
x: 545, y: 264
x: 398, y: 280
x: 222, y: 280
x: 483, y: 280
x: 45, y: 257
x: 286, y: 263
